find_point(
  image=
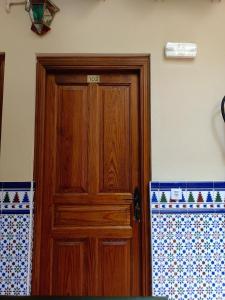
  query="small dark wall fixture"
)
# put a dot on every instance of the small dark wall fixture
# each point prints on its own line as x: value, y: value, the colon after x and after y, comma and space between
x: 223, y: 108
x: 2, y: 64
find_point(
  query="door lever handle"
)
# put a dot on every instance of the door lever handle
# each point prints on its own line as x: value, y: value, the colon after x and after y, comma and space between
x: 222, y: 108
x: 137, y: 205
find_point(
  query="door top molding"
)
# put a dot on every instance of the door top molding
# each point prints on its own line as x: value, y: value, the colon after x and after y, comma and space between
x: 102, y: 61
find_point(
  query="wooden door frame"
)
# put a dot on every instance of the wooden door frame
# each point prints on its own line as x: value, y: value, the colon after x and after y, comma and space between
x: 2, y: 67
x: 137, y: 63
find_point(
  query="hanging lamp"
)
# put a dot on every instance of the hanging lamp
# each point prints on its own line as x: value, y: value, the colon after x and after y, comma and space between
x: 42, y: 13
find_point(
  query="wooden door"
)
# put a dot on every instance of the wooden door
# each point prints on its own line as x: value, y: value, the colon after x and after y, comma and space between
x: 89, y: 241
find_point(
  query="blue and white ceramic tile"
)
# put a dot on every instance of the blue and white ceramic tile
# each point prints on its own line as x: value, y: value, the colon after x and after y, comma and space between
x: 188, y: 240
x: 15, y: 237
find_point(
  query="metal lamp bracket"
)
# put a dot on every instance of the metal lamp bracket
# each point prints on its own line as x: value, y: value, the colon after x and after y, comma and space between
x: 9, y: 3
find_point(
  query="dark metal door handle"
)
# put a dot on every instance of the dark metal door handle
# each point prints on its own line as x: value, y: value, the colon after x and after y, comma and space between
x: 137, y: 205
x: 222, y: 108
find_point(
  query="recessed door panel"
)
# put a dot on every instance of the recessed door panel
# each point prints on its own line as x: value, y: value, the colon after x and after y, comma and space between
x: 72, y: 139
x: 115, y: 267
x: 70, y: 268
x: 115, y: 139
x: 96, y: 215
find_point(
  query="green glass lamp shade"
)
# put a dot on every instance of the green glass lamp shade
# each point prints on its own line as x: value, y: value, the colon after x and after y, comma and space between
x: 42, y: 13
x: 37, y: 13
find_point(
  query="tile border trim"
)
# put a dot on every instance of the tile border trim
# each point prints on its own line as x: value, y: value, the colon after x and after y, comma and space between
x: 195, y: 197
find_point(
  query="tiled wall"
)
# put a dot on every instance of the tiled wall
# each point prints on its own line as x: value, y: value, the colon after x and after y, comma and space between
x: 188, y: 240
x: 16, y: 202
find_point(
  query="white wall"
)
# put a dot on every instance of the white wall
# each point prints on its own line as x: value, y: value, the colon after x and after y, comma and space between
x: 188, y: 137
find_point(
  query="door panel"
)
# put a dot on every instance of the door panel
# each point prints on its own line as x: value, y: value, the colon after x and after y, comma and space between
x: 73, y: 254
x: 89, y: 241
x: 114, y: 139
x: 99, y: 215
x: 115, y: 267
x: 72, y: 139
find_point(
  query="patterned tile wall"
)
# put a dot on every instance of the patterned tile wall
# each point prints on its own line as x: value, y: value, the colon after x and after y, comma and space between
x: 16, y: 209
x: 188, y: 240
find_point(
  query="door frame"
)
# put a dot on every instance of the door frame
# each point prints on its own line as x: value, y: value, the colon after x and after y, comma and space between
x: 137, y: 63
x: 2, y: 67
